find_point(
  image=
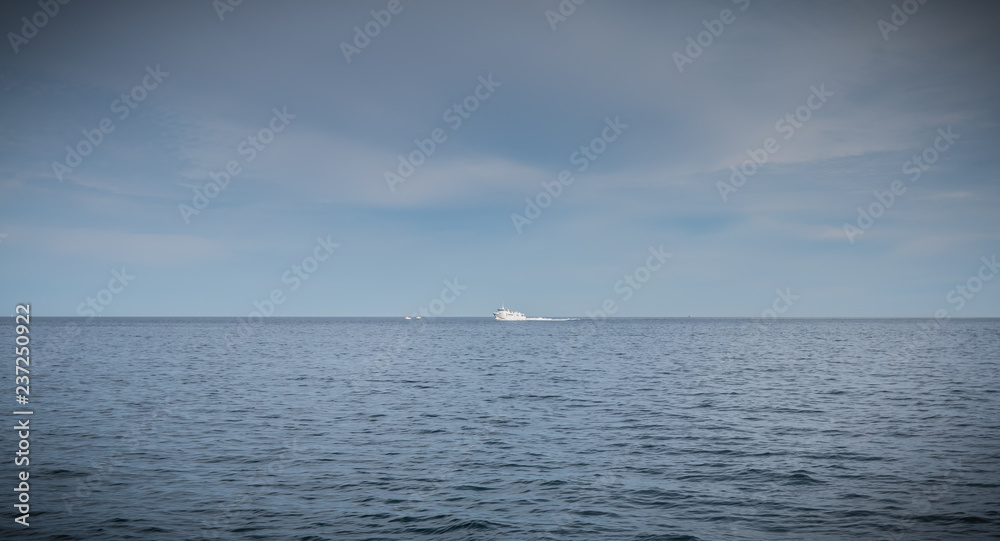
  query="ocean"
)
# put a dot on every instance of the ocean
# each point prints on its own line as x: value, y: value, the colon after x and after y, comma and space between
x: 468, y: 428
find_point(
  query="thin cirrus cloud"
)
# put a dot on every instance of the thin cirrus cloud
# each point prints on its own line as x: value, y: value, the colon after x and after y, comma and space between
x: 657, y: 184
x: 118, y: 247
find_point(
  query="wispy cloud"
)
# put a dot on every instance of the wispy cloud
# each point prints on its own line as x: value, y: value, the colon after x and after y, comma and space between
x: 657, y: 184
x: 167, y: 250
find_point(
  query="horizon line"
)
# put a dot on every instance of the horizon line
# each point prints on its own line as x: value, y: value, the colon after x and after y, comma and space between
x: 572, y: 318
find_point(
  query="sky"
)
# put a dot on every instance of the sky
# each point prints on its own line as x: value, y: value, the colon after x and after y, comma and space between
x: 696, y: 158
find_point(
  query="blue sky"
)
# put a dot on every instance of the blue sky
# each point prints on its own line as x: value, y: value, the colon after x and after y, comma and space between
x: 885, y: 94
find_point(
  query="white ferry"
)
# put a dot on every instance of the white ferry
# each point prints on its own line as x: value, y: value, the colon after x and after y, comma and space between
x: 504, y: 314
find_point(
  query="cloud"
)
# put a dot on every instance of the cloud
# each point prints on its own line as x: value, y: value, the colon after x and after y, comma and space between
x: 657, y: 184
x: 950, y: 195
x: 136, y: 248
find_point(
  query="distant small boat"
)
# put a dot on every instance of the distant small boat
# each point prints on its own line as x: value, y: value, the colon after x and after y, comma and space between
x: 418, y: 317
x: 407, y: 317
x: 504, y: 314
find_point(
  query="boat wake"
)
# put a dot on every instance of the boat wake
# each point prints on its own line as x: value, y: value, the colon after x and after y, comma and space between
x: 551, y: 319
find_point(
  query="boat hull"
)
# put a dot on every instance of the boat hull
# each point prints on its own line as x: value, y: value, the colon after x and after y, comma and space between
x: 503, y: 314
x: 509, y: 318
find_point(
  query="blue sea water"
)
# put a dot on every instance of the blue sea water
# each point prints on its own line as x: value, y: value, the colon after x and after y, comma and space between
x: 685, y: 429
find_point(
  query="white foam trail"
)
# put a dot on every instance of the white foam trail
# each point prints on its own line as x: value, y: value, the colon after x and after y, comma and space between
x: 550, y: 319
